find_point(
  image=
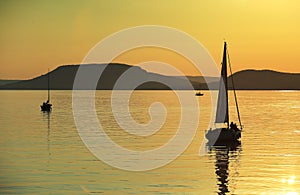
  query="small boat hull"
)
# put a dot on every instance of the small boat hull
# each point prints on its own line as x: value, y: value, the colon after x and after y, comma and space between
x: 46, y: 107
x: 223, y: 135
x: 199, y: 94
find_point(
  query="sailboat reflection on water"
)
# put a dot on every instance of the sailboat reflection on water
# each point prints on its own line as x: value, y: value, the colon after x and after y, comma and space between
x: 226, y: 161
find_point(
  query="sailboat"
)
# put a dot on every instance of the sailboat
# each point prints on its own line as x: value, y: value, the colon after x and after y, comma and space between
x: 231, y: 132
x: 199, y: 94
x: 46, y: 106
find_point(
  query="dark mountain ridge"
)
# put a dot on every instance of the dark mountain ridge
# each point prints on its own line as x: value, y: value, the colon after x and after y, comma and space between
x: 62, y: 78
x: 265, y: 80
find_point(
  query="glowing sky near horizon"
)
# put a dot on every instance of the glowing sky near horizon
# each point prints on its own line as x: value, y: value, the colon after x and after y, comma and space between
x: 37, y: 35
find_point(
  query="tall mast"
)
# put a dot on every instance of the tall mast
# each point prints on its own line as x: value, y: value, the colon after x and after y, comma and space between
x: 48, y: 86
x: 224, y: 75
x: 222, y: 115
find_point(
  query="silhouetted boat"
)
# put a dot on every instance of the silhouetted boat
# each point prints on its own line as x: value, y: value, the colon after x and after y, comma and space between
x: 230, y: 133
x: 46, y: 106
x: 199, y: 94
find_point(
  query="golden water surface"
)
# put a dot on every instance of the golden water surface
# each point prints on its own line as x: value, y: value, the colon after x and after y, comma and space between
x: 42, y: 153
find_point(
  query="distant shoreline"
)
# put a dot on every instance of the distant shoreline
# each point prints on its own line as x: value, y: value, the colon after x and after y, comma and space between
x: 62, y: 78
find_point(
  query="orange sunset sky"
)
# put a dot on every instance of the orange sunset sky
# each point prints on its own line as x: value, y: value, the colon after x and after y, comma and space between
x: 37, y: 35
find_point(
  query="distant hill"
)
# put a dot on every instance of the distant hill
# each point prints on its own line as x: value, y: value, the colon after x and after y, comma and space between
x: 62, y: 78
x: 265, y: 80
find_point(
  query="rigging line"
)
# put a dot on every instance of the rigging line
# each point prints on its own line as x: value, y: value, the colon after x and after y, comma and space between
x: 236, y: 103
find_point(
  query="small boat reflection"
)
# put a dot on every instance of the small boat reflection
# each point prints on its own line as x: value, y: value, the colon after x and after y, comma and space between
x: 46, y: 115
x: 224, y: 155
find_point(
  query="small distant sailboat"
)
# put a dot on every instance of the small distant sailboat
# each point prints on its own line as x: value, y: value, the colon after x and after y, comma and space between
x: 199, y: 94
x: 230, y: 133
x: 46, y: 106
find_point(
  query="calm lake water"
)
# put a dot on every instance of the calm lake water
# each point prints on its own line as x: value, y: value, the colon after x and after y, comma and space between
x: 43, y: 153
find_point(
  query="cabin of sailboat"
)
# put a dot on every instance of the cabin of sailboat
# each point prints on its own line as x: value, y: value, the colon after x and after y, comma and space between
x: 231, y: 132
